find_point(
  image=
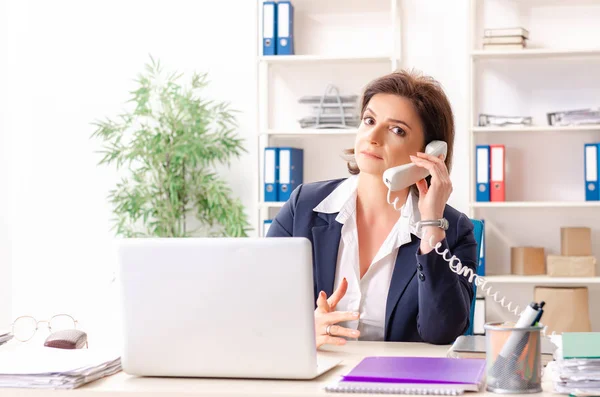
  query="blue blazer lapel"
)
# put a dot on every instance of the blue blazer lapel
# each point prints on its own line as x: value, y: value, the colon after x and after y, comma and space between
x: 326, y: 241
x: 404, y: 271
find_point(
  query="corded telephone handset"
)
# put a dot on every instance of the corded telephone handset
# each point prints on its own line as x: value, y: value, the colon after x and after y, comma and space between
x: 405, y: 175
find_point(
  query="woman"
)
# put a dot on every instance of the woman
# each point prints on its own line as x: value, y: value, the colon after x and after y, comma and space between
x: 376, y: 277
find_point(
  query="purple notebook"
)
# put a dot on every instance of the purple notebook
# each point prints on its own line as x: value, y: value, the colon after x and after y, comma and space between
x: 418, y: 370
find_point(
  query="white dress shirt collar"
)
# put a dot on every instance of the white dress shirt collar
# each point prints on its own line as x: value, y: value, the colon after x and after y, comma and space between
x: 343, y: 201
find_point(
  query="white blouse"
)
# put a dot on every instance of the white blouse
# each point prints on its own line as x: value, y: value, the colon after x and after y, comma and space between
x: 368, y: 295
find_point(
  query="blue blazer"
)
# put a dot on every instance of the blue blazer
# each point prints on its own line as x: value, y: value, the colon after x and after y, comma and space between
x: 426, y: 302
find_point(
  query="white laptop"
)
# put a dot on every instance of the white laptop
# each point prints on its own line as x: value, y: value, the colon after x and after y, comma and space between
x: 219, y: 307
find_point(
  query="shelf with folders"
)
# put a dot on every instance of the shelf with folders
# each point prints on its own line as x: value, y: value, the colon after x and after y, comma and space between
x: 548, y: 113
x: 529, y: 171
x: 308, y: 97
x: 307, y: 31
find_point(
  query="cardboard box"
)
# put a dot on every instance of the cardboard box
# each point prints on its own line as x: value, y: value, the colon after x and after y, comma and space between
x: 566, y: 309
x: 575, y: 241
x: 571, y: 266
x: 527, y: 261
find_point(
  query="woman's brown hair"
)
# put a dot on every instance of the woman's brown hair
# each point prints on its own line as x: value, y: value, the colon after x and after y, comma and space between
x: 429, y: 100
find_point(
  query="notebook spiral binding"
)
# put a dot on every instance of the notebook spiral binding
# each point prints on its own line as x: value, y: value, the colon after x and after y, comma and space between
x: 336, y: 388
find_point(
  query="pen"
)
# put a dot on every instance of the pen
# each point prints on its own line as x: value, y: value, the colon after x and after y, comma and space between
x: 539, y: 315
x: 527, y: 319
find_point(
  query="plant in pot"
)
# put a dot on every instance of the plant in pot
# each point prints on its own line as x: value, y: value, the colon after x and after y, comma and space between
x: 167, y: 148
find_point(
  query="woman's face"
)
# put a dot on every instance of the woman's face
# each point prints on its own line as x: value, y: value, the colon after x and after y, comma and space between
x: 390, y: 131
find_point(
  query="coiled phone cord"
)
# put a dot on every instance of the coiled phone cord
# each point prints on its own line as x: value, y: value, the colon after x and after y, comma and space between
x: 395, y: 202
x: 465, y: 271
x: 457, y: 267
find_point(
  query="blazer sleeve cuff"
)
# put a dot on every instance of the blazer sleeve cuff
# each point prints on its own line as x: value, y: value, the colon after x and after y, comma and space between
x: 433, y: 269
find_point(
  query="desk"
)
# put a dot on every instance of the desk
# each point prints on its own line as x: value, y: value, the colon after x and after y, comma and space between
x: 123, y: 385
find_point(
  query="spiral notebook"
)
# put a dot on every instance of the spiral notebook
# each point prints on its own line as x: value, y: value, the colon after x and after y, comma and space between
x: 412, y: 375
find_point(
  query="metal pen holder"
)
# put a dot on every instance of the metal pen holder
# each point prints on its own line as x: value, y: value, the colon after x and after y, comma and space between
x: 513, y: 359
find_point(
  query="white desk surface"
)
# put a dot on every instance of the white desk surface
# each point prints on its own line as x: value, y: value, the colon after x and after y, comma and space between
x: 123, y: 385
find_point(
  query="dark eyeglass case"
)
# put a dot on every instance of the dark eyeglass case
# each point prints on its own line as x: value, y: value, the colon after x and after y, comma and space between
x: 67, y: 339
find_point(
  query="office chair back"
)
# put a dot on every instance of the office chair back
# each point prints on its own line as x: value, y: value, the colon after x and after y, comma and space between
x: 479, y: 233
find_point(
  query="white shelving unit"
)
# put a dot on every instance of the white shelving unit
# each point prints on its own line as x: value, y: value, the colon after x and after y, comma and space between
x: 322, y: 56
x: 549, y: 129
x: 544, y: 175
x: 310, y: 131
x: 276, y: 59
x: 543, y: 53
x: 271, y: 204
x: 537, y: 204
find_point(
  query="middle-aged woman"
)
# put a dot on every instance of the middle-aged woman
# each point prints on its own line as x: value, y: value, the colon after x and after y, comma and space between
x: 376, y: 276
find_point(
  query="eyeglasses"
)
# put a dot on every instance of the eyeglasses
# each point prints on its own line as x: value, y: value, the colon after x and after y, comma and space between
x: 25, y: 327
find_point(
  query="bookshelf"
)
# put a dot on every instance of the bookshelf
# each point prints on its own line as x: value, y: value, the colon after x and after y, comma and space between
x: 549, y: 129
x: 311, y: 131
x: 275, y: 59
x: 271, y: 204
x: 328, y: 38
x: 544, y: 164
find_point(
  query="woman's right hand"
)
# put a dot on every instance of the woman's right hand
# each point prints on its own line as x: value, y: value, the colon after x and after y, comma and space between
x: 326, y: 316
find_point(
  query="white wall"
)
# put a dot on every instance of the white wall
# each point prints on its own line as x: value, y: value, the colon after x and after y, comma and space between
x: 5, y: 245
x: 69, y: 63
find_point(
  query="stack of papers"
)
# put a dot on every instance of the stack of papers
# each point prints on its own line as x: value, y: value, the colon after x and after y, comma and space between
x: 51, y: 368
x: 578, y: 364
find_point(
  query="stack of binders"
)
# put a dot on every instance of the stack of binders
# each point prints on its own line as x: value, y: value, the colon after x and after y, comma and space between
x: 592, y: 171
x: 489, y: 173
x: 505, y: 39
x: 278, y: 28
x: 284, y: 171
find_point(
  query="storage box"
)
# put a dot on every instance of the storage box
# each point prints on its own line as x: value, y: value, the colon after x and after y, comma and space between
x: 527, y: 261
x: 575, y: 241
x: 571, y: 266
x: 566, y: 309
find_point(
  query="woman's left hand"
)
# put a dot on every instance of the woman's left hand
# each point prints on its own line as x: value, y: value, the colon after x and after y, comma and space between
x: 433, y: 199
